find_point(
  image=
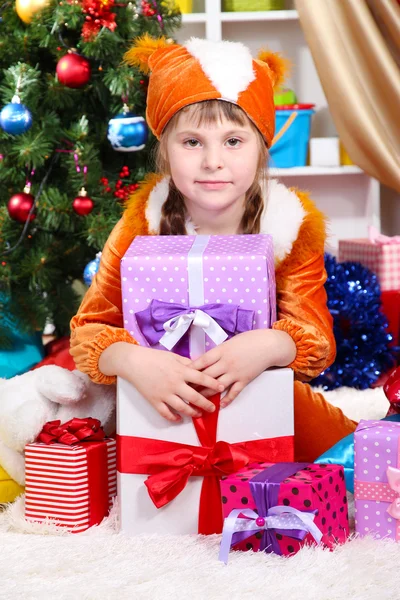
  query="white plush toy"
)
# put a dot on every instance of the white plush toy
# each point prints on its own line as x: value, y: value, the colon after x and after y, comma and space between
x: 48, y: 393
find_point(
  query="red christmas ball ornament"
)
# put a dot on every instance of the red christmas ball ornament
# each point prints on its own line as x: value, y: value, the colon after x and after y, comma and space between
x: 83, y: 205
x: 392, y: 388
x: 73, y: 70
x: 19, y: 206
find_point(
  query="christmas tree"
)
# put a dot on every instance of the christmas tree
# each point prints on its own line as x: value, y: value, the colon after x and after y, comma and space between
x: 73, y: 145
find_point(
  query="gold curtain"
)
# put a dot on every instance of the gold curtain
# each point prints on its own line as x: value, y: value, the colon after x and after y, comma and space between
x: 355, y: 45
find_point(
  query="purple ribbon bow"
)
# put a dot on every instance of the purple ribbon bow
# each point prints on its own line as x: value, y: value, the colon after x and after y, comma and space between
x: 270, y: 518
x: 151, y: 320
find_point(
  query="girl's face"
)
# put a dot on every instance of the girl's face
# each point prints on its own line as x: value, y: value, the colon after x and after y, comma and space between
x: 212, y: 165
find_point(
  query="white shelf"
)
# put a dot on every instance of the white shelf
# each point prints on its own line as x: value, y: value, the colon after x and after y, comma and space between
x: 225, y: 17
x: 194, y: 18
x: 266, y: 15
x: 306, y: 171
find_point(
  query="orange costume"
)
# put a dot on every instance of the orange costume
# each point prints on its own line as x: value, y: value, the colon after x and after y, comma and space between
x: 297, y: 228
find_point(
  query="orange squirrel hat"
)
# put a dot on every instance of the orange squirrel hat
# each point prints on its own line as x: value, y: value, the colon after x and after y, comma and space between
x: 203, y: 70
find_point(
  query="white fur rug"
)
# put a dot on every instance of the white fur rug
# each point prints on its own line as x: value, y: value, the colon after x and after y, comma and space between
x: 42, y: 562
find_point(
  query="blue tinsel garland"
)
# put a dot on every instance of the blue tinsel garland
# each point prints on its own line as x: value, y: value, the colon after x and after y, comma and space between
x: 360, y: 328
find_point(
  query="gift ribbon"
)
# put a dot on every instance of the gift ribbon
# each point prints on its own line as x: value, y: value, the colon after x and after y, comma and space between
x: 170, y: 464
x: 166, y: 323
x: 283, y: 518
x: 90, y: 434
x: 383, y: 492
x: 377, y: 238
x: 71, y: 432
x: 271, y: 518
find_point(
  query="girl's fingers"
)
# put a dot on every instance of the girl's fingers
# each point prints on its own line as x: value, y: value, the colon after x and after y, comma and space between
x: 208, y: 359
x: 184, y: 360
x: 167, y: 413
x: 197, y: 399
x: 234, y: 391
x: 182, y: 407
x: 204, y: 380
x: 216, y: 370
x: 225, y: 380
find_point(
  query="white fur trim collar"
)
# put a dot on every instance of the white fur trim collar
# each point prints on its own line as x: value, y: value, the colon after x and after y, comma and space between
x: 228, y: 65
x: 282, y: 216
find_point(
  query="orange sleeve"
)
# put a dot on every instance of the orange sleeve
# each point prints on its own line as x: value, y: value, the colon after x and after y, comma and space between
x: 99, y: 322
x: 304, y: 315
x: 302, y: 299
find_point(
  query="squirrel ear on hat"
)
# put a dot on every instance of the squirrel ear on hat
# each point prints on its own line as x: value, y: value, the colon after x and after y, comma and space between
x: 140, y: 53
x: 277, y: 65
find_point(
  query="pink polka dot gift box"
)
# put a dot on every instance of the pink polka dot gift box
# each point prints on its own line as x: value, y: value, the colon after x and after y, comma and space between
x: 377, y: 479
x: 284, y: 506
x: 189, y: 293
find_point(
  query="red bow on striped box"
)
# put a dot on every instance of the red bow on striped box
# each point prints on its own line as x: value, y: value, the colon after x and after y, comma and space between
x: 70, y: 474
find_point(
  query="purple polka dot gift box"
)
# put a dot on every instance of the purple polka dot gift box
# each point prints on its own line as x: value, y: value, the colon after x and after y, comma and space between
x: 377, y: 479
x: 189, y: 293
x: 284, y: 506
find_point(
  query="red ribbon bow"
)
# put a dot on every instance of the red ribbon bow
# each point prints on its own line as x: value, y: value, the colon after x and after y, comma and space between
x: 71, y: 432
x: 170, y: 464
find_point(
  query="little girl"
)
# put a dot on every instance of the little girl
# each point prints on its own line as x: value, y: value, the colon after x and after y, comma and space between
x: 211, y: 106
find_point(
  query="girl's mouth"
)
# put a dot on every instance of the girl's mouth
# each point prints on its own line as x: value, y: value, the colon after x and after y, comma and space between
x: 213, y: 185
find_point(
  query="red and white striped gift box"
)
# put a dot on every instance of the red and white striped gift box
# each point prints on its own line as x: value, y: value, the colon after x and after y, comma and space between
x: 58, y: 483
x: 381, y: 259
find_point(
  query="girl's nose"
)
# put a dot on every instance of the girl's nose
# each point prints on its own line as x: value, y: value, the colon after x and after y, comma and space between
x: 212, y: 159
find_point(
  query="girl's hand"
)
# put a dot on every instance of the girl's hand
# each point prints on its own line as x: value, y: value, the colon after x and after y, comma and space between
x: 242, y: 358
x: 165, y: 379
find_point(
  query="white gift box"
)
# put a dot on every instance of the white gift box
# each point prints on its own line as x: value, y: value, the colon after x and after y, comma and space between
x: 325, y: 152
x: 264, y: 409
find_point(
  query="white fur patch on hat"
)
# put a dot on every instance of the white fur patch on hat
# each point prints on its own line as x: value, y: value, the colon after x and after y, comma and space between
x: 228, y: 65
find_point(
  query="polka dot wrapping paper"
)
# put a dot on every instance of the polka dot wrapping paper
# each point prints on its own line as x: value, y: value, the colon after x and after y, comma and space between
x: 381, y: 259
x: 376, y: 458
x: 315, y: 487
x: 235, y: 271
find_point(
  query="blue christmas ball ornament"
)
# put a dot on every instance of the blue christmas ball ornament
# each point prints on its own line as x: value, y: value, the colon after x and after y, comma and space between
x: 127, y: 132
x: 15, y: 118
x: 91, y: 269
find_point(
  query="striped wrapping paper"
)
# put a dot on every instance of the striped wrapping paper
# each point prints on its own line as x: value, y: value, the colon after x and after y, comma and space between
x: 57, y: 483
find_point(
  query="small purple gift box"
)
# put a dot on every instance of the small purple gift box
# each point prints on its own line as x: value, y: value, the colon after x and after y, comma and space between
x: 189, y: 293
x: 377, y: 479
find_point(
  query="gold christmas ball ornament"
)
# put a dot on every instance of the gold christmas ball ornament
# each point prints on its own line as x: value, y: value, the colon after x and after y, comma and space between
x: 26, y: 9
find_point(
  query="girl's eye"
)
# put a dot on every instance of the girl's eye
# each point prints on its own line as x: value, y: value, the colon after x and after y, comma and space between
x: 233, y: 142
x: 191, y: 143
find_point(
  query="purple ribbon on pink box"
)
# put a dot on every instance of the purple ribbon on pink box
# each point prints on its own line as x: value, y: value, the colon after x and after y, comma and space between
x: 167, y: 323
x: 271, y: 518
